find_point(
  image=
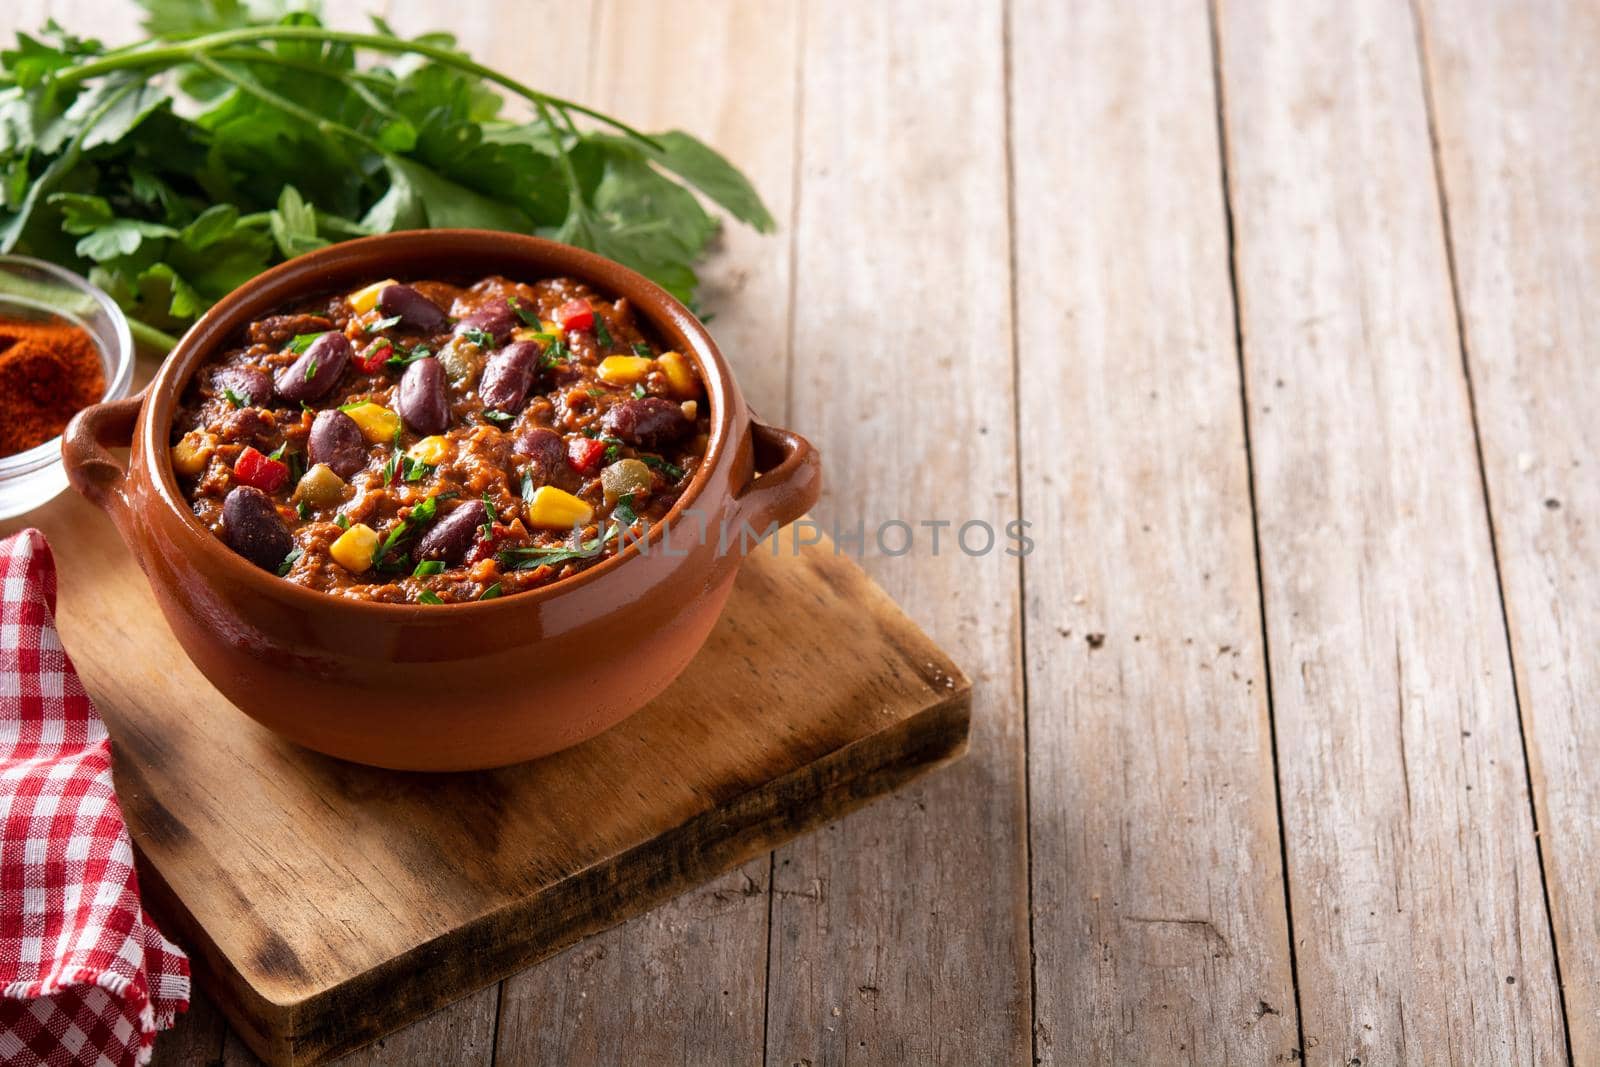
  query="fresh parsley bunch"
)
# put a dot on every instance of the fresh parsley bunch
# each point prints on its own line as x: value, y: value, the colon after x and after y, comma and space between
x: 173, y: 170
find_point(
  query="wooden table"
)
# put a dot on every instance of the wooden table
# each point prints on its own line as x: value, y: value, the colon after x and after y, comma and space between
x: 1278, y: 323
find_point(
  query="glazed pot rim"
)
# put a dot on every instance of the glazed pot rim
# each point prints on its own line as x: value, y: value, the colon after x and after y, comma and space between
x: 314, y: 272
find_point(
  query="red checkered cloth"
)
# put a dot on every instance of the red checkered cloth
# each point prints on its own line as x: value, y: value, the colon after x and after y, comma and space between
x: 86, y: 978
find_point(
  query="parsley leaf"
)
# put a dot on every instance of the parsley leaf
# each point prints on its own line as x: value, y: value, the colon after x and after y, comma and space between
x: 233, y: 398
x: 289, y: 561
x: 669, y: 469
x: 379, y: 325
x: 529, y: 318
x: 302, y: 341
x: 601, y: 334
x: 427, y: 567
x: 428, y: 596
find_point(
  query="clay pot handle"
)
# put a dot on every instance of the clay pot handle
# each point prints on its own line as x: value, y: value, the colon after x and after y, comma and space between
x: 92, y: 470
x: 790, y: 479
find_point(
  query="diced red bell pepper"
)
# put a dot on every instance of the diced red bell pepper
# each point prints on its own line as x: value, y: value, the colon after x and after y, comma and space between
x: 263, y: 472
x: 575, y: 315
x: 371, y: 359
x: 584, y: 454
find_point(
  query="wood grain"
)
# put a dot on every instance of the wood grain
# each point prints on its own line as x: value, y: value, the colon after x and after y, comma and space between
x: 688, y: 980
x: 1149, y: 747
x: 1420, y: 931
x: 901, y: 936
x: 1515, y: 98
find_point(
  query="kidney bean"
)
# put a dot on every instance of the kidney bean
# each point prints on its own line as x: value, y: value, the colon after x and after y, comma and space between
x: 252, y: 386
x: 495, y: 319
x: 451, y: 537
x: 547, y: 455
x: 251, y: 526
x: 317, y: 370
x: 416, y: 311
x: 507, y: 378
x: 422, y: 401
x: 336, y: 440
x: 647, y: 422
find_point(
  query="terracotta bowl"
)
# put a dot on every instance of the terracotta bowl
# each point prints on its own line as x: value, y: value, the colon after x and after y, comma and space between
x: 459, y: 686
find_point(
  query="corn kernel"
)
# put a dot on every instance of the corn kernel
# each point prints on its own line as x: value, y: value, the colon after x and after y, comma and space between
x: 364, y: 300
x: 378, y: 424
x: 680, y: 376
x: 553, y: 509
x: 524, y: 333
x: 191, y: 454
x: 354, y: 548
x: 430, y: 450
x: 624, y: 370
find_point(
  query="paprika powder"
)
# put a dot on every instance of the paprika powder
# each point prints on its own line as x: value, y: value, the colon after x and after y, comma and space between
x: 49, y: 371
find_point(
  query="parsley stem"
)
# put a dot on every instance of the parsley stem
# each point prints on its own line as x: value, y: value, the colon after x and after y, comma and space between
x: 287, y: 106
x: 190, y: 50
x: 152, y: 338
x: 355, y: 79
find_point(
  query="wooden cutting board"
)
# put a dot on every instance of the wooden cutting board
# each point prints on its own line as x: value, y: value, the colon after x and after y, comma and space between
x: 326, y: 904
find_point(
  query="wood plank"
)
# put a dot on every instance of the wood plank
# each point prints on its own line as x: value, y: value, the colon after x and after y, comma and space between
x: 196, y: 1039
x: 1515, y: 97
x: 1150, y: 751
x: 459, y: 1035
x: 689, y: 977
x: 1420, y: 931
x: 902, y: 935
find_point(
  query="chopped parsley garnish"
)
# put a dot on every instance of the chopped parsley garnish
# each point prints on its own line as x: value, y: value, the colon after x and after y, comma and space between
x: 671, y: 470
x: 490, y: 516
x: 624, y: 512
x: 399, y: 361
x: 414, y: 470
x: 500, y: 417
x: 277, y: 453
x: 427, y: 567
x: 642, y: 349
x: 302, y: 509
x: 233, y: 398
x: 490, y: 593
x: 419, y: 514
x: 342, y: 521
x: 528, y: 487
x: 289, y: 561
x: 390, y: 465
x: 601, y: 334
x: 613, y: 449
x: 311, y: 369
x: 534, y: 557
x: 638, y: 390
x: 481, y: 338
x: 530, y: 318
x: 428, y: 596
x: 382, y: 324
x: 302, y: 341
x: 590, y: 431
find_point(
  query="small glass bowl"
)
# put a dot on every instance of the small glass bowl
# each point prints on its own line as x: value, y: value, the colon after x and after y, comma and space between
x: 34, y: 289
